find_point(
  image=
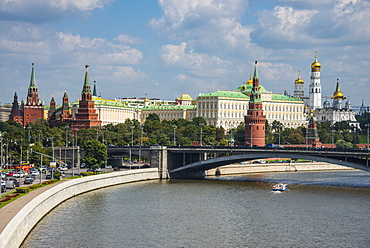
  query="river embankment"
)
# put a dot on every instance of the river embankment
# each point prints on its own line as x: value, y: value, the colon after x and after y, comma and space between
x: 274, y: 167
x: 19, y: 217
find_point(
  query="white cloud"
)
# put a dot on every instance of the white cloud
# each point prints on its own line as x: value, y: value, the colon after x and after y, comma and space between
x: 127, y: 39
x: 46, y: 10
x: 208, y: 24
x: 197, y: 64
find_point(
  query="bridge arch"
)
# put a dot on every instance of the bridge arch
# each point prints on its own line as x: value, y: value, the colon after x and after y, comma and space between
x: 197, y: 169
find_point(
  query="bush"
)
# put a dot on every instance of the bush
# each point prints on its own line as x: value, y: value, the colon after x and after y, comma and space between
x: 87, y: 173
x: 23, y: 190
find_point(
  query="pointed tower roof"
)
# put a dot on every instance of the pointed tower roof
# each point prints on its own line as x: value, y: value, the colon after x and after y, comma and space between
x: 86, y: 88
x: 65, y: 94
x: 316, y: 63
x: 255, y: 71
x: 338, y: 94
x: 94, y: 90
x: 33, y: 77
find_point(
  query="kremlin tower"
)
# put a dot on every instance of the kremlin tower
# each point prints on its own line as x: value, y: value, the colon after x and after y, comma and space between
x: 33, y: 110
x: 86, y: 116
x: 255, y: 120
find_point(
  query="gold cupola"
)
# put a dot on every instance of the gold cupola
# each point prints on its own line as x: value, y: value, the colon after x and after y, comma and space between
x: 316, y: 65
x: 250, y: 81
x: 338, y: 94
x: 299, y: 80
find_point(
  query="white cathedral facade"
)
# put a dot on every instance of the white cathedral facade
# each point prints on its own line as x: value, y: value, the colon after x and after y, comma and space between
x: 336, y: 112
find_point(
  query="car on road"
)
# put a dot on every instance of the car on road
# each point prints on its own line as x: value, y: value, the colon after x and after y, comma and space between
x: 28, y: 180
x: 48, y: 176
x: 35, y: 173
x: 116, y: 168
x: 146, y: 165
x: 63, y: 168
x: 16, y: 183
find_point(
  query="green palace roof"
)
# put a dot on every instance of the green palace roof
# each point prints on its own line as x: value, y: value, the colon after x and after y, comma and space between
x: 227, y: 94
x: 172, y: 107
x: 112, y: 103
x: 284, y: 98
x: 247, y: 88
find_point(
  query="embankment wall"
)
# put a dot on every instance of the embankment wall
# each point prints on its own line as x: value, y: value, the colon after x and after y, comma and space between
x: 18, y: 227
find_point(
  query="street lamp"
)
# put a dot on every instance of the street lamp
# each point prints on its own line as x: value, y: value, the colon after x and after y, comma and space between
x: 251, y: 128
x: 201, y: 133
x: 65, y: 149
x: 103, y: 128
x: 38, y: 135
x: 174, y: 135
x: 367, y: 142
x: 332, y: 136
x: 132, y: 141
x: 29, y: 134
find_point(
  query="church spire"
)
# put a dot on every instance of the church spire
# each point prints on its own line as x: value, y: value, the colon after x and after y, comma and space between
x: 338, y: 94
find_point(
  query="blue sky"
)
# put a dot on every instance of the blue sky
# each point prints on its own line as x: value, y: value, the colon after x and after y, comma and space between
x: 166, y: 48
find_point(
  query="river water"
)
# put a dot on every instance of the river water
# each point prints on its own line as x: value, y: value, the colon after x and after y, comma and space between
x: 321, y: 209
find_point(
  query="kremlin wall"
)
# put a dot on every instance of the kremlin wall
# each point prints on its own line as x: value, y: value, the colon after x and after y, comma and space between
x: 250, y: 103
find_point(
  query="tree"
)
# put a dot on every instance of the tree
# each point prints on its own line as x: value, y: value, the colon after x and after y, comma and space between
x: 95, y: 153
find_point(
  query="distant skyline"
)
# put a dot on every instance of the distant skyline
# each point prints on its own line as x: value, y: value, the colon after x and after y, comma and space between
x: 166, y: 48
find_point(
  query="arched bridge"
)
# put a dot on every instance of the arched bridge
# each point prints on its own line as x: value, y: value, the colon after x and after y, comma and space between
x: 187, y: 162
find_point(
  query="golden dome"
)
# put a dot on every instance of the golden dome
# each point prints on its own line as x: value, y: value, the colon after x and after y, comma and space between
x: 316, y: 63
x: 338, y: 94
x: 299, y: 80
x: 146, y: 99
x: 250, y: 81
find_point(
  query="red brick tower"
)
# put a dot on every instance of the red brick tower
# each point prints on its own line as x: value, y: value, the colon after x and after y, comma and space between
x: 312, y: 137
x: 33, y: 110
x: 66, y: 115
x: 255, y: 120
x: 86, y: 115
x: 16, y: 114
x: 52, y: 109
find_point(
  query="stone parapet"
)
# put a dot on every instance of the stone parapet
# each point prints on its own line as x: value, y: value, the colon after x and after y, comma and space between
x: 26, y: 218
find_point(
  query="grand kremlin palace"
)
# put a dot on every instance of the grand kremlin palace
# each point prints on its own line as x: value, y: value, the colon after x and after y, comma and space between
x: 227, y: 108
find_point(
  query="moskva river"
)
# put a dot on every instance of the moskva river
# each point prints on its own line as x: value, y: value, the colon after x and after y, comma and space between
x: 321, y: 209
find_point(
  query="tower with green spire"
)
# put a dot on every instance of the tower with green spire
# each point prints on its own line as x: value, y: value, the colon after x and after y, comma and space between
x: 86, y: 116
x: 33, y: 109
x: 255, y: 120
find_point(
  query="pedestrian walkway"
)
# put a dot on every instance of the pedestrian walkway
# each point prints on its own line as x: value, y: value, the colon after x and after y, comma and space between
x: 9, y: 211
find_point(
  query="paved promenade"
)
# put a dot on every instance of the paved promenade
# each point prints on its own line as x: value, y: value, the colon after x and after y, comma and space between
x: 9, y: 211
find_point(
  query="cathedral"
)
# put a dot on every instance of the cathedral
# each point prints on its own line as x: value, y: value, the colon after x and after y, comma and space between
x: 336, y: 112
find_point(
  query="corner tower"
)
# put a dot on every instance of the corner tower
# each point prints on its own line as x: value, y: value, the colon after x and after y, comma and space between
x: 255, y: 120
x: 315, y: 86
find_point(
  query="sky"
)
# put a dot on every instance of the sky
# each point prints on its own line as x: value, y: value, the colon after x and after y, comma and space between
x: 166, y: 48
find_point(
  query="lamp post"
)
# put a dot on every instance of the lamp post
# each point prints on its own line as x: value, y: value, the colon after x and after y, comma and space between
x: 251, y: 125
x: 307, y: 137
x: 132, y: 142
x: 332, y: 136
x: 29, y: 134
x: 65, y: 149
x: 1, y: 160
x: 174, y: 135
x: 367, y: 141
x: 141, y: 139
x: 38, y: 135
x: 201, y: 133
x: 102, y: 129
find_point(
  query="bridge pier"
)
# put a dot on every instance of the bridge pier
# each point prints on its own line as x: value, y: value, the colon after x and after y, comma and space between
x: 158, y: 158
